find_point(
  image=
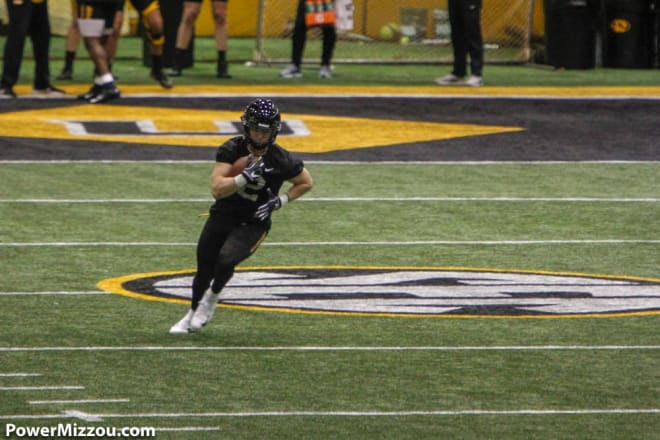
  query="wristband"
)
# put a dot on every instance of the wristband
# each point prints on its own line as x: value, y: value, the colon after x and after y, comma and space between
x: 284, y: 199
x: 240, y: 181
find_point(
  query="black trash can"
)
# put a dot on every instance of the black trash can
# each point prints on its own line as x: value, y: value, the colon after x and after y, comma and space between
x: 570, y: 34
x: 655, y: 28
x: 629, y: 34
x: 171, y: 10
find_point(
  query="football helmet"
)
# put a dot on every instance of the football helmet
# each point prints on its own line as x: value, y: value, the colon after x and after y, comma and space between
x: 261, y: 114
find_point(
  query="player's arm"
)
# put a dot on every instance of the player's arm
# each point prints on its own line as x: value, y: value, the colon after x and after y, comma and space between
x: 300, y: 184
x: 221, y: 184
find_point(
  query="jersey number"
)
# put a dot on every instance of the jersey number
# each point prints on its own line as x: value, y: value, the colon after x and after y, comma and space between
x: 251, y: 190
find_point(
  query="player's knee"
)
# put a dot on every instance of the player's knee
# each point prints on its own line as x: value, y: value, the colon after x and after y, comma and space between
x: 220, y: 20
x: 157, y: 38
x: 227, y: 262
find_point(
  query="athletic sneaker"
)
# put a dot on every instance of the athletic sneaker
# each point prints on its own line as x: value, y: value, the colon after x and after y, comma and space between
x: 223, y: 71
x: 106, y: 92
x: 324, y: 72
x: 474, y: 81
x: 205, y: 310
x: 449, y: 80
x: 7, y: 93
x: 162, y: 79
x: 291, y: 71
x: 88, y: 94
x: 50, y: 91
x: 183, y: 326
x: 66, y: 75
x: 175, y: 71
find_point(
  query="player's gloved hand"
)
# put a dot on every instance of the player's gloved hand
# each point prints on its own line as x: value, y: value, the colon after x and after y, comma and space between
x: 274, y: 202
x: 253, y: 170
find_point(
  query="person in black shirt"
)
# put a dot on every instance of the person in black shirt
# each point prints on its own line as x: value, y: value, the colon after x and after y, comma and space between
x: 27, y: 17
x: 240, y: 218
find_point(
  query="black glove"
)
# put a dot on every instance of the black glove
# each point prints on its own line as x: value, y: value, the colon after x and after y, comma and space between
x: 274, y: 202
x: 253, y: 170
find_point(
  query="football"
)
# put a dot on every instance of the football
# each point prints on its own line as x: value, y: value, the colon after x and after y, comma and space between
x: 238, y: 166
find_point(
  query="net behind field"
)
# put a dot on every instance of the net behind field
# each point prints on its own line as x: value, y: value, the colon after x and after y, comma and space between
x: 412, y: 31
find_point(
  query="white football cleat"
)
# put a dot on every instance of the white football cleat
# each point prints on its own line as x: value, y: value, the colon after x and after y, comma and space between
x: 474, y: 81
x: 205, y: 310
x: 325, y: 72
x: 449, y: 80
x: 183, y: 326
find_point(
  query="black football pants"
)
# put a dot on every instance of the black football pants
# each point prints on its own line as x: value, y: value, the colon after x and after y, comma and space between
x: 465, y: 22
x: 300, y: 36
x: 223, y: 244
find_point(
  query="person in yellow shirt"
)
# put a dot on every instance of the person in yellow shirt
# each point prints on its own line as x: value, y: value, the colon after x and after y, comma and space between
x: 27, y: 17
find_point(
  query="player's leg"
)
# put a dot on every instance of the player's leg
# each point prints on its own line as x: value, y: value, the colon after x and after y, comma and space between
x: 95, y: 20
x: 328, y: 48
x: 153, y: 21
x: 112, y: 41
x: 242, y: 242
x: 298, y: 40
x: 220, y: 21
x: 71, y: 45
x: 184, y: 34
x: 19, y: 21
x: 211, y: 239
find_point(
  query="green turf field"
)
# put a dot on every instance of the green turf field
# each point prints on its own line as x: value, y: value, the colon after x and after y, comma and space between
x: 130, y: 70
x: 72, y: 353
x: 254, y: 374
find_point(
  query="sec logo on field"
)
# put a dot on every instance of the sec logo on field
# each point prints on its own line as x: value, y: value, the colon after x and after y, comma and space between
x: 416, y: 292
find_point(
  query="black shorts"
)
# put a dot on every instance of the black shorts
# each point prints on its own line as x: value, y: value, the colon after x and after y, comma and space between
x: 99, y: 10
x: 144, y: 7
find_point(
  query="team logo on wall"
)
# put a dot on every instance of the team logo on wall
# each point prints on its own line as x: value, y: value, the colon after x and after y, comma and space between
x: 435, y: 292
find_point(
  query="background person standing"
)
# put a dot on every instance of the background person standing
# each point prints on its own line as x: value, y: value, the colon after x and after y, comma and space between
x: 465, y: 22
x: 189, y: 16
x: 298, y: 46
x: 27, y: 17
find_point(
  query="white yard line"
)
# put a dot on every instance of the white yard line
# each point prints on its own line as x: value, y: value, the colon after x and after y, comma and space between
x: 78, y: 401
x: 330, y: 348
x: 58, y: 292
x: 518, y: 412
x: 20, y: 374
x: 361, y: 199
x: 337, y: 243
x: 188, y: 429
x: 43, y: 388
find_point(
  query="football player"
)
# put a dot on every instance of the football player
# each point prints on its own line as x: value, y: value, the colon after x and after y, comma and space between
x: 240, y: 218
x: 153, y: 20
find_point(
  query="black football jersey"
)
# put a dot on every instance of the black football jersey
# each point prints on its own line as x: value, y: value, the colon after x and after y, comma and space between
x: 279, y: 166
